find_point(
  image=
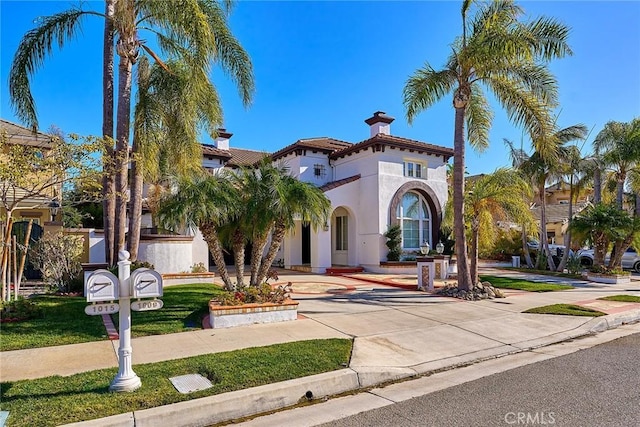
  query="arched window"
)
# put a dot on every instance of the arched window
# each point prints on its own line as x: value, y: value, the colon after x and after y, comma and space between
x: 415, y: 220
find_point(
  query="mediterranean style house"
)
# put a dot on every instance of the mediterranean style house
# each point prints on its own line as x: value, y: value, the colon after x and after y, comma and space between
x: 372, y: 184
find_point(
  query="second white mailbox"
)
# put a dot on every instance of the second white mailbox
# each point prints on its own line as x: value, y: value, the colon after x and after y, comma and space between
x: 145, y: 283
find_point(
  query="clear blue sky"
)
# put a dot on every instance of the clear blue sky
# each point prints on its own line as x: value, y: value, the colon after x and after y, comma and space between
x: 322, y: 67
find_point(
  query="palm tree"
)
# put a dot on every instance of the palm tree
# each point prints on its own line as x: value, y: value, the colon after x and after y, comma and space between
x: 619, y: 144
x: 541, y: 168
x: 171, y: 106
x: 206, y: 202
x: 195, y: 30
x: 508, y: 57
x: 491, y: 198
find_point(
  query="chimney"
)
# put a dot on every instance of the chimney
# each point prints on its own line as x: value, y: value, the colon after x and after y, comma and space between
x: 222, y: 140
x: 379, y: 123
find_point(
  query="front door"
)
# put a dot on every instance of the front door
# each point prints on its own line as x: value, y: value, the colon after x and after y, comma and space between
x: 306, y: 244
x: 20, y: 231
x: 340, y: 238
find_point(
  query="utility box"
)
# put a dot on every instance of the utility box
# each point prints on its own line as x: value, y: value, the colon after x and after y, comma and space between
x: 102, y: 285
x: 145, y: 283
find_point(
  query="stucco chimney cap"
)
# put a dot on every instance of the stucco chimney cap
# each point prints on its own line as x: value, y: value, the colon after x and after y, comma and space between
x: 222, y: 133
x: 378, y: 117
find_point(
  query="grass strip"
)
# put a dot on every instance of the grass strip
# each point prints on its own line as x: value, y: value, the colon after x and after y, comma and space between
x: 64, y: 321
x: 621, y: 298
x: 59, y: 400
x: 566, y: 309
x: 523, y: 285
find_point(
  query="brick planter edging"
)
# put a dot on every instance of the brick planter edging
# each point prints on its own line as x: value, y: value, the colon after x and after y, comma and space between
x: 228, y: 316
x: 609, y: 278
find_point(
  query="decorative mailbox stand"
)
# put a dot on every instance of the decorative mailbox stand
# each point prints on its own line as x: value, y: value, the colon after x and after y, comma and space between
x: 103, y: 289
x: 426, y: 272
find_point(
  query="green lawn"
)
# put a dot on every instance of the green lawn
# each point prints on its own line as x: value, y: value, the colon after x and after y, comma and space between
x: 59, y: 400
x: 566, y: 309
x: 622, y: 298
x: 64, y: 321
x: 523, y: 285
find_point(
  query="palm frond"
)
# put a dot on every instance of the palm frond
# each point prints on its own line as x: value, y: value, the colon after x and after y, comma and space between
x: 479, y: 117
x: 425, y: 87
x: 32, y: 51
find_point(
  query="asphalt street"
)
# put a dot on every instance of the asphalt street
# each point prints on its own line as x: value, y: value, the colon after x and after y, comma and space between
x: 597, y: 386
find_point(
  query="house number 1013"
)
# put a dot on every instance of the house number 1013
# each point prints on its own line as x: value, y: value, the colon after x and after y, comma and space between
x: 104, y: 308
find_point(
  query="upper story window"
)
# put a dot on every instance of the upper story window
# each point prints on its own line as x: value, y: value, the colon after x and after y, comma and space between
x: 413, y: 169
x: 319, y: 171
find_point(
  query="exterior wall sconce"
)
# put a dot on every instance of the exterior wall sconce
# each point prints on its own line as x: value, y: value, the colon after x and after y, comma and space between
x: 440, y: 248
x: 325, y: 227
x: 54, y: 207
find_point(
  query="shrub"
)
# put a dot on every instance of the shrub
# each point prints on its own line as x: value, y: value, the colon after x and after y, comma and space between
x: 394, y: 240
x: 199, y: 268
x: 20, y: 309
x: 264, y: 293
x: 57, y: 256
x: 601, y: 269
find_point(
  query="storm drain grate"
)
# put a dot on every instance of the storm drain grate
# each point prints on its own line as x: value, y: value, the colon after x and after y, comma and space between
x: 190, y: 383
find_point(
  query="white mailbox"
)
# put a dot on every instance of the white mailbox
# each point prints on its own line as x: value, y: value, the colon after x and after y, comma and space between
x: 146, y: 283
x: 102, y: 285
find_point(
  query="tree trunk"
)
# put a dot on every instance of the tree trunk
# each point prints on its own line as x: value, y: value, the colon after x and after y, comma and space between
x: 464, y: 276
x: 620, y: 191
x: 544, y: 243
x: 256, y: 256
x: 597, y: 185
x: 277, y: 237
x: 620, y: 248
x: 475, y: 228
x: 108, y: 181
x: 600, y: 244
x: 122, y: 149
x: 567, y: 234
x: 238, y: 256
x: 135, y: 213
x: 210, y: 235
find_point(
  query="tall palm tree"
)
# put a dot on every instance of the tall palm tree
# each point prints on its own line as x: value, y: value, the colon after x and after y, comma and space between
x: 171, y: 106
x: 495, y: 197
x: 542, y: 167
x: 619, y: 144
x: 194, y: 30
x: 499, y: 52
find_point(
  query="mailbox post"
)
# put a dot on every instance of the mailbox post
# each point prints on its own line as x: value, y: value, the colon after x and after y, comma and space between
x: 126, y: 380
x: 102, y: 289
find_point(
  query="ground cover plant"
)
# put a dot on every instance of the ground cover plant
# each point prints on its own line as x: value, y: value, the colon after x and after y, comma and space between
x: 566, y: 309
x: 63, y: 320
x: 621, y: 298
x: 59, y: 400
x: 523, y: 285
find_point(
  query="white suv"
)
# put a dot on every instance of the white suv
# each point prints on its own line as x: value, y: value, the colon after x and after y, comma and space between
x: 630, y: 259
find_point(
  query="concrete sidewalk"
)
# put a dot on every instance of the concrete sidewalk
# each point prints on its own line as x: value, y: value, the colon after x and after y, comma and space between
x: 397, y: 333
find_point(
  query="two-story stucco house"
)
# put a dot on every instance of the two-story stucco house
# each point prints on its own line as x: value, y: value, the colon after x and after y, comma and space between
x: 372, y: 184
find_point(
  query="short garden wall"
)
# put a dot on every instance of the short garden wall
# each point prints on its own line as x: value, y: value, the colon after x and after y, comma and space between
x: 393, y: 267
x: 249, y: 314
x: 170, y: 279
x: 613, y: 279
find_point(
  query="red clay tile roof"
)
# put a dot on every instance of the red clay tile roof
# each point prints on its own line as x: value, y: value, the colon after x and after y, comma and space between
x: 334, y: 184
x: 557, y: 212
x: 211, y: 150
x: 380, y: 141
x: 323, y: 144
x: 234, y: 157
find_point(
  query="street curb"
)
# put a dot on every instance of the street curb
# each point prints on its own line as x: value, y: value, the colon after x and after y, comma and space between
x: 272, y: 397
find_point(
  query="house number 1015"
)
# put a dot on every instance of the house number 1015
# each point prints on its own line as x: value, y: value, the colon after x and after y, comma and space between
x: 104, y: 308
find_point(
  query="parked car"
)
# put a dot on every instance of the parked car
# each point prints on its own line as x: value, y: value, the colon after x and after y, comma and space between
x: 556, y: 250
x: 630, y: 259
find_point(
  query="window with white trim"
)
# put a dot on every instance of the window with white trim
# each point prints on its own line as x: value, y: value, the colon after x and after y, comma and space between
x: 414, y: 218
x: 414, y: 169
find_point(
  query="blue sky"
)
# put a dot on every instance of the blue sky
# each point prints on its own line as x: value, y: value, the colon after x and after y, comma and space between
x: 322, y: 67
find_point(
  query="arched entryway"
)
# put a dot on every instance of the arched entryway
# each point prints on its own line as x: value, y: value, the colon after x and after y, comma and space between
x: 417, y: 210
x: 341, y: 225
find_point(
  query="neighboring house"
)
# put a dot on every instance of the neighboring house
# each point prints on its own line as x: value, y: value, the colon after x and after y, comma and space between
x: 557, y: 210
x: 372, y: 184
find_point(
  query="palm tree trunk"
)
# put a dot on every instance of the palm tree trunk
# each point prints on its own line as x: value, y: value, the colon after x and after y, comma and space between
x: 567, y: 234
x: 464, y: 276
x: 620, y: 192
x: 525, y: 248
x: 277, y: 237
x: 122, y: 149
x: 108, y: 182
x: 238, y: 256
x: 210, y: 235
x: 135, y: 214
x: 544, y: 243
x: 256, y: 256
x: 597, y: 185
x: 475, y: 228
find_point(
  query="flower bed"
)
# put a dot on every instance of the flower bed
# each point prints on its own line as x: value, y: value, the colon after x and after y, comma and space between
x: 228, y: 316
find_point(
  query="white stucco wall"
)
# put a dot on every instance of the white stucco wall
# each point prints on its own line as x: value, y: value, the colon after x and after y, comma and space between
x: 167, y: 255
x: 199, y: 250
